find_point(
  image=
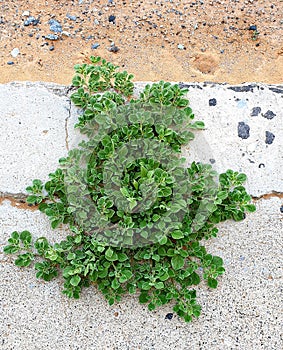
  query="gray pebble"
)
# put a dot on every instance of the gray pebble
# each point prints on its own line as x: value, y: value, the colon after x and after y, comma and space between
x: 269, y: 137
x: 181, y: 47
x: 269, y: 115
x: 95, y: 46
x: 51, y: 37
x: 113, y: 49
x: 30, y: 20
x: 55, y: 26
x: 255, y: 111
x: 71, y: 17
x: 212, y: 102
x: 243, y: 130
x: 10, y: 63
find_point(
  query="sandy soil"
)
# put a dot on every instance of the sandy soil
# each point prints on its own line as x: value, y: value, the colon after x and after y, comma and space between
x: 167, y: 39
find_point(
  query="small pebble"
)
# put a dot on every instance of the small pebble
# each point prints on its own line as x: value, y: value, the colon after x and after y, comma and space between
x: 51, y: 48
x: 255, y: 111
x: 243, y: 130
x: 269, y: 137
x: 169, y: 316
x: 95, y: 46
x: 212, y: 161
x: 181, y: 47
x: 25, y: 14
x: 51, y: 37
x: 55, y: 26
x: 30, y: 20
x: 113, y: 49
x: 269, y: 115
x: 10, y: 63
x: 112, y: 19
x: 281, y: 209
x: 212, y: 102
x: 71, y: 17
x: 66, y: 33
x: 253, y: 27
x: 15, y: 52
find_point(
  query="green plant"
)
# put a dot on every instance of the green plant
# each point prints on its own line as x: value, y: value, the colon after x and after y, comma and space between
x: 255, y: 35
x: 137, y: 215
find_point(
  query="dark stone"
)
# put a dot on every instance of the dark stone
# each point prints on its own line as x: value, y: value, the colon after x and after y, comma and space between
x: 95, y: 46
x: 10, y: 63
x: 169, y: 316
x: 183, y: 85
x: 35, y: 22
x: 243, y: 130
x: 269, y: 137
x: 245, y: 88
x: 31, y: 20
x: 255, y: 111
x: 269, y: 115
x: 55, y: 26
x: 261, y: 165
x: 212, y: 161
x: 111, y: 19
x: 51, y: 37
x: 114, y: 49
x: 212, y: 102
x: 51, y: 48
x: 278, y: 91
x: 281, y: 209
x: 253, y: 27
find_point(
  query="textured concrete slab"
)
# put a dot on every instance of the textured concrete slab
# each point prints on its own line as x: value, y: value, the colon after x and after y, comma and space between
x: 32, y: 129
x: 244, y: 312
x: 244, y: 131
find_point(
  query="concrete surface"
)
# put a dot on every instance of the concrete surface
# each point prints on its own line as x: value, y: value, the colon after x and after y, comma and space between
x: 244, y: 312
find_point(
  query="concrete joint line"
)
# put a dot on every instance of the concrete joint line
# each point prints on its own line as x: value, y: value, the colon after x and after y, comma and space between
x: 66, y: 125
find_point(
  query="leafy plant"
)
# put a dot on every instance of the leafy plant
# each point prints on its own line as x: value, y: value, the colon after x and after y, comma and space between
x: 137, y: 215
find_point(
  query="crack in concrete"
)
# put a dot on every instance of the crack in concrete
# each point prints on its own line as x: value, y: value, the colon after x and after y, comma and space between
x: 66, y: 125
x: 17, y: 200
x: 269, y: 195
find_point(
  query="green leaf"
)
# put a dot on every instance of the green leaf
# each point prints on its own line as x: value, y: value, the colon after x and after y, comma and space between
x: 162, y: 240
x: 212, y: 282
x: 75, y: 280
x: 177, y: 234
x: 24, y: 259
x: 159, y: 285
x: 26, y: 238
x: 144, y: 297
x: 109, y: 253
x: 122, y: 257
x: 250, y: 208
x: 177, y: 262
x: 115, y: 284
x: 11, y: 249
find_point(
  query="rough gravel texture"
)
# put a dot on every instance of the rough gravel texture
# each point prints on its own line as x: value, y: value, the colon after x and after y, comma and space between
x: 202, y: 40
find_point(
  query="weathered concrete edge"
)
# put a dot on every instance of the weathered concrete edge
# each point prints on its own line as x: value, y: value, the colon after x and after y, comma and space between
x: 62, y: 90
